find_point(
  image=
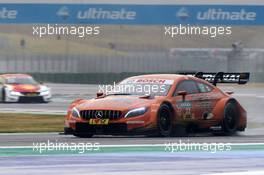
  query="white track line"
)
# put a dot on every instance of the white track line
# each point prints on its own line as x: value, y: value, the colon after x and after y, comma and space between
x: 29, y: 133
x: 241, y: 173
x: 134, y: 145
x: 34, y: 111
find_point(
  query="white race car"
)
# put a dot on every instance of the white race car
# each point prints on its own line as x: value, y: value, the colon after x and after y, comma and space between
x: 22, y: 88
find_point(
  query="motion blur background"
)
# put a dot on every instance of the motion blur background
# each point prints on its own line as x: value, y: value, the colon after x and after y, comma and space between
x: 123, y: 49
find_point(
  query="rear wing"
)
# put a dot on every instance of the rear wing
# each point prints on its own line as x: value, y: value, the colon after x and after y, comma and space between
x: 221, y: 77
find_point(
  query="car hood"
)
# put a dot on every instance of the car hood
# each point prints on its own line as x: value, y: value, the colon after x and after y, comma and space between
x: 25, y: 88
x: 116, y: 102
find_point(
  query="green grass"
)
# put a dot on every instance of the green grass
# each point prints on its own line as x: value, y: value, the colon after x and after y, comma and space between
x: 37, y: 45
x: 11, y: 123
x: 133, y: 38
x: 22, y: 123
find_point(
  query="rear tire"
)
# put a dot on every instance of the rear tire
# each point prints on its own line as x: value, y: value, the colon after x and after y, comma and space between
x: 164, y: 121
x: 230, y: 120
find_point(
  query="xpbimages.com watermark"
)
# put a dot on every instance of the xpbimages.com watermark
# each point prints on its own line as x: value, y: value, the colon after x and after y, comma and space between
x: 211, y: 31
x: 188, y: 146
x: 65, y: 30
x: 55, y: 146
x: 159, y: 87
x: 132, y: 88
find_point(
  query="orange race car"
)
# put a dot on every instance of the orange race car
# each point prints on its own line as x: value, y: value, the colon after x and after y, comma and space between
x: 161, y: 104
x: 22, y: 88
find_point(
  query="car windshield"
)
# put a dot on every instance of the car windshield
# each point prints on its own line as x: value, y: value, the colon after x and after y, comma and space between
x: 21, y: 80
x: 155, y: 87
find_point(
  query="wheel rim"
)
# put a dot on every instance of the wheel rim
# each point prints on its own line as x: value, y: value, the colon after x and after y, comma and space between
x: 230, y: 117
x: 164, y: 120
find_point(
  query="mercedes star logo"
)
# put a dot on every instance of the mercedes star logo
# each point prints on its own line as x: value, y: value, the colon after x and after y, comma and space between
x: 99, y: 114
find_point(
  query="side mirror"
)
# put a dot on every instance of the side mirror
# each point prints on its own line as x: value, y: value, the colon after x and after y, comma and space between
x: 99, y: 94
x: 229, y: 92
x: 183, y: 94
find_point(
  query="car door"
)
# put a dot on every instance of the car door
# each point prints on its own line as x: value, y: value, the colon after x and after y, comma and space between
x: 185, y: 105
x: 206, y: 100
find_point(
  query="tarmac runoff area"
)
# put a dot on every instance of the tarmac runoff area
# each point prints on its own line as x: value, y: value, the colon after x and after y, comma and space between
x: 28, y: 153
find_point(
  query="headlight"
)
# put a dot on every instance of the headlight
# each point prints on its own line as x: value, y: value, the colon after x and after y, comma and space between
x: 43, y: 89
x: 46, y: 92
x: 136, y: 112
x: 15, y: 93
x: 9, y: 88
x: 75, y: 112
x: 11, y: 92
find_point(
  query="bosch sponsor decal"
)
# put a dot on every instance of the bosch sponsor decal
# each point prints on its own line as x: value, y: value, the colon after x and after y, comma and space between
x: 148, y: 81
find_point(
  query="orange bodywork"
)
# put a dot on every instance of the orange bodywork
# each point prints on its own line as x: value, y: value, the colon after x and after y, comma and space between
x: 203, y: 109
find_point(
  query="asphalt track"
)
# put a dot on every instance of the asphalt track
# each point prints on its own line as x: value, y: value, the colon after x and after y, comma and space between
x: 29, y: 153
x: 250, y: 96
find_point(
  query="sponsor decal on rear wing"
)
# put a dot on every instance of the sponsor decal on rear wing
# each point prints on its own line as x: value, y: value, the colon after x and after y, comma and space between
x: 221, y: 77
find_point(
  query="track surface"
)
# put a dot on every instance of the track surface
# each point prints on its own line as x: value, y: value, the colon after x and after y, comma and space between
x: 15, y: 158
x: 251, y: 97
x: 134, y: 164
x: 124, y: 161
x: 28, y: 139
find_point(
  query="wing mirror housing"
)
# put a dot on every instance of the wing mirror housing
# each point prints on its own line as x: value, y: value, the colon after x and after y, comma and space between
x: 99, y: 94
x: 229, y: 92
x: 183, y: 94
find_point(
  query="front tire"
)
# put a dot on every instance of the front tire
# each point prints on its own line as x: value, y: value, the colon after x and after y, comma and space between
x: 3, y: 98
x: 164, y: 121
x: 85, y: 135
